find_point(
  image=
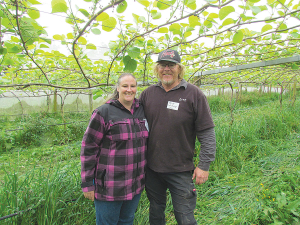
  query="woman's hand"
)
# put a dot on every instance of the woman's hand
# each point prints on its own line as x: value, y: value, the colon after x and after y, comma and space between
x: 90, y: 195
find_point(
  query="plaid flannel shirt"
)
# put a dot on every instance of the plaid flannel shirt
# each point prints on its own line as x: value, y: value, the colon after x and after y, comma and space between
x: 113, y: 152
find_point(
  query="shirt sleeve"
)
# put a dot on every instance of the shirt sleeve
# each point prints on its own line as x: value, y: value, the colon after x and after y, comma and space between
x: 207, y: 153
x: 90, y: 148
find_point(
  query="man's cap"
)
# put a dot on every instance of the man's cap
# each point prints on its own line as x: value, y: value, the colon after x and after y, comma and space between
x: 169, y: 55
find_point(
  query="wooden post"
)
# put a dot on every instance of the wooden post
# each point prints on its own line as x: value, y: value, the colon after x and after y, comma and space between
x: 91, y: 101
x: 55, y: 101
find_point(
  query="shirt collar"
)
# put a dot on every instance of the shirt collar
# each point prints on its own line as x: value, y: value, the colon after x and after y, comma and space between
x: 183, y: 83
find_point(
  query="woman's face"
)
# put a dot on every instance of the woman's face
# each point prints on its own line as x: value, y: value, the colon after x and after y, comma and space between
x: 127, y: 89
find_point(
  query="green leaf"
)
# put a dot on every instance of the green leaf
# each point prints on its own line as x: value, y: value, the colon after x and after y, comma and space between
x: 3, y: 51
x: 130, y: 64
x: 155, y: 15
x: 96, y: 31
x: 255, y: 10
x: 97, y: 94
x: 8, y: 62
x: 109, y: 24
x: 263, y: 7
x: 84, y: 12
x: 44, y: 46
x: 57, y: 37
x: 188, y: 29
x: 294, y: 205
x: 144, y: 2
x: 87, y: 0
x: 295, y: 67
x: 266, y: 28
x: 70, y: 36
x: 91, y: 46
x: 2, y: 14
x: 15, y: 49
x: 134, y: 52
x: 194, y: 21
x: 207, y: 23
x: 164, y: 4
x: 122, y: 7
x: 142, y: 19
x: 103, y: 16
x: 187, y: 34
x: 163, y: 30
x: 271, y: 1
x: 190, y: 4
x: 228, y: 21
x: 281, y: 199
x: 295, y: 35
x: 175, y: 27
x: 59, y: 6
x: 136, y: 18
x: 46, y: 40
x: 14, y: 39
x: 34, y: 2
x: 82, y: 40
x: 33, y: 13
x: 30, y: 30
x: 225, y: 11
x: 283, y: 26
x: 213, y: 15
x: 238, y: 37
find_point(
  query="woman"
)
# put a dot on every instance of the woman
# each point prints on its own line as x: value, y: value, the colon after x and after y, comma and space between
x: 113, y: 155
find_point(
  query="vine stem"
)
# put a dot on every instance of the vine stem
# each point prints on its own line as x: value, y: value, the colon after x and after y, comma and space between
x: 24, y: 44
x: 82, y: 32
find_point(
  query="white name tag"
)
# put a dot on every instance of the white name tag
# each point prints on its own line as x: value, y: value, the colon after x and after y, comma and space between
x: 173, y: 105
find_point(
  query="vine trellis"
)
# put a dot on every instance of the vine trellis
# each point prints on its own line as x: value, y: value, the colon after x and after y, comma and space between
x: 210, y: 35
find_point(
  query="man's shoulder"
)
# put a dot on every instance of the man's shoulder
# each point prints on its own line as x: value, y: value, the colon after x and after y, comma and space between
x: 150, y: 89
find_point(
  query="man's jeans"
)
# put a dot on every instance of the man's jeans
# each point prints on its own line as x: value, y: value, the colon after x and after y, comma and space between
x: 183, y: 194
x: 116, y: 212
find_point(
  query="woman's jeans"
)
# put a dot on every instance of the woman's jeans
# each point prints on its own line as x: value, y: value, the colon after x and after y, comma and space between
x: 183, y: 194
x: 116, y: 212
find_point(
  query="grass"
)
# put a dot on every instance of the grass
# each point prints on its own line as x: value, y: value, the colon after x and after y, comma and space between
x: 255, y: 178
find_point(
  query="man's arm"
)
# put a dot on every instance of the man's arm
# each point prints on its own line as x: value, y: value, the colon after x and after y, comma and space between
x: 207, y: 153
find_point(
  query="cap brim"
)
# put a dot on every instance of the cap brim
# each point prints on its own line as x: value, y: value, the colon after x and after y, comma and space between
x: 169, y: 60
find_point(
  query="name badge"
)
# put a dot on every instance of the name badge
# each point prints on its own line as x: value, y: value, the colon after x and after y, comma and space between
x: 173, y: 105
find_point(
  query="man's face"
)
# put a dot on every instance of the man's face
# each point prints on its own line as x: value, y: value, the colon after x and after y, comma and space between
x: 168, y: 72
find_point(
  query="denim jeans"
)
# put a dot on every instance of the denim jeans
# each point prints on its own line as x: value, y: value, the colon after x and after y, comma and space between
x: 183, y: 195
x: 116, y: 212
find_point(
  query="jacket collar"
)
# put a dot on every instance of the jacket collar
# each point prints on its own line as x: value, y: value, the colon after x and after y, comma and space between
x: 116, y: 103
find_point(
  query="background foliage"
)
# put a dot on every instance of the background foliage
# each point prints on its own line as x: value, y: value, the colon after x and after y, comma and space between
x: 208, y: 34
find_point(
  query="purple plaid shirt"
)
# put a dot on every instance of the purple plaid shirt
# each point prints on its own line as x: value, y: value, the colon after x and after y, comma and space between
x: 113, y: 152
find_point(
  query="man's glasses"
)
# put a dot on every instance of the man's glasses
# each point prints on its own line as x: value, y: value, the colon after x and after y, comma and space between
x: 164, y: 65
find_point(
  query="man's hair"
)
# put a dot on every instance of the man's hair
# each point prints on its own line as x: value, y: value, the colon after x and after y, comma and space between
x: 180, y: 75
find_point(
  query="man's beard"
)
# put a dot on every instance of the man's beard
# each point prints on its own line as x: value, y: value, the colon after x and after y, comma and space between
x: 168, y: 83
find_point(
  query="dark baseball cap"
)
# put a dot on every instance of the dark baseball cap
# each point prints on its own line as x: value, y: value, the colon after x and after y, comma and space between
x: 169, y: 55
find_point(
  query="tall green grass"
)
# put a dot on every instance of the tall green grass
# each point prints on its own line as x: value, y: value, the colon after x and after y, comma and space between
x: 255, y: 178
x: 41, y: 129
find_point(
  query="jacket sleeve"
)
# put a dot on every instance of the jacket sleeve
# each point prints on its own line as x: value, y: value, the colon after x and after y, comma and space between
x: 207, y: 153
x: 90, y: 148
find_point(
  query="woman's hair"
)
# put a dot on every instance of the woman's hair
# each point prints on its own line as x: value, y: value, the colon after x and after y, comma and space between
x: 180, y: 75
x: 115, y: 94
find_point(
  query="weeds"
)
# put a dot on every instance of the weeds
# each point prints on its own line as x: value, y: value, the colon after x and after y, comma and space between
x: 255, y: 178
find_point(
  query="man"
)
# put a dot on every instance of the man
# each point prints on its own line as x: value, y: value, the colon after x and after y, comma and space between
x: 177, y: 112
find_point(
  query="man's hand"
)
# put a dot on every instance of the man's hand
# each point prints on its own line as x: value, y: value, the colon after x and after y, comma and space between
x: 201, y: 176
x: 90, y: 195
